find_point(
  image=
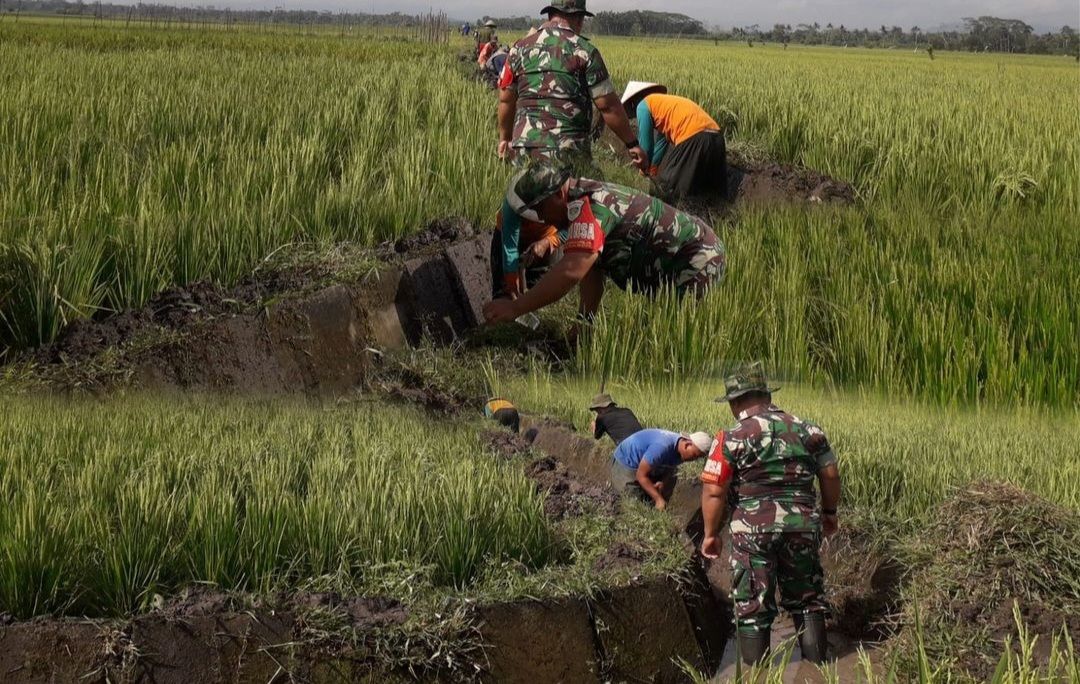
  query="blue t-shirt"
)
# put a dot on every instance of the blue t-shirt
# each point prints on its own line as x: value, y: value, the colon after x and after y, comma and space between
x: 658, y: 447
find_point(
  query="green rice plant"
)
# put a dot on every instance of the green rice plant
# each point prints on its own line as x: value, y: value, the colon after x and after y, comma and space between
x: 110, y: 504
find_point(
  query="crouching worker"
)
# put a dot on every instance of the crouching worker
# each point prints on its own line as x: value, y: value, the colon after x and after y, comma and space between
x: 767, y: 464
x: 613, y: 231
x: 645, y: 464
x: 684, y: 145
x: 612, y: 420
x: 503, y: 412
x: 539, y: 243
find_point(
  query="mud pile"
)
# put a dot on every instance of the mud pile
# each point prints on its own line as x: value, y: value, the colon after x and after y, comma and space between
x: 567, y: 495
x: 775, y: 183
x: 989, y: 550
x: 295, y: 329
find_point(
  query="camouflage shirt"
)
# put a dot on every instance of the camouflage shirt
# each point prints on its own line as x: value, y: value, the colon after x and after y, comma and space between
x: 770, y: 458
x: 642, y: 241
x: 557, y: 74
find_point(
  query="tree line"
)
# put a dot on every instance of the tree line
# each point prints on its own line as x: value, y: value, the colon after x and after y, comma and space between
x: 979, y: 34
x: 205, y: 13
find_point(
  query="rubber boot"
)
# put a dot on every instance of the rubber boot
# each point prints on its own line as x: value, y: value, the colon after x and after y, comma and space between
x: 754, y: 647
x: 812, y: 641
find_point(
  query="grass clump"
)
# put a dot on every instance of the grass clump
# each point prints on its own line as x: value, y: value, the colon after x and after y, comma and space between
x: 992, y: 559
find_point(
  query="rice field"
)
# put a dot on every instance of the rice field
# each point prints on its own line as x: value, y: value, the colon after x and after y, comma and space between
x: 899, y: 459
x: 109, y: 504
x: 170, y: 156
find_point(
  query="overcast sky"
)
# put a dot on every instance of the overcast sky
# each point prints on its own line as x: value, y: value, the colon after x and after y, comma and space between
x: 852, y: 13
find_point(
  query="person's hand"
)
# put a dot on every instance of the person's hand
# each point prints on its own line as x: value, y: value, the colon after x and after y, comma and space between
x: 500, y: 311
x: 592, y: 427
x: 536, y: 252
x: 710, y: 547
x: 638, y: 158
x: 661, y: 504
x: 504, y: 150
x: 512, y: 284
x: 830, y: 525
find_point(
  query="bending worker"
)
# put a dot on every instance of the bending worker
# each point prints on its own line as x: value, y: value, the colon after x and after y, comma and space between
x: 503, y: 412
x: 547, y: 90
x: 768, y: 463
x: 612, y: 419
x: 645, y: 465
x: 635, y: 240
x: 685, y: 147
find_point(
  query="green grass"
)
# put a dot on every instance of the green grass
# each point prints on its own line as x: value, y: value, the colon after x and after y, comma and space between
x: 107, y: 504
x: 898, y: 459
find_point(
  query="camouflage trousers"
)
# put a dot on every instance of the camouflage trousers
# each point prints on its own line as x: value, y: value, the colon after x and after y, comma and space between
x: 763, y: 562
x: 577, y: 160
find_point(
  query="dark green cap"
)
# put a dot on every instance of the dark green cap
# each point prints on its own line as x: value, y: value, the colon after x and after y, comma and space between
x: 567, y: 7
x: 749, y: 378
x: 532, y: 186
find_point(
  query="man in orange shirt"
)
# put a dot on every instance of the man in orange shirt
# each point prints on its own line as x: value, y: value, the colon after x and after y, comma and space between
x: 684, y: 144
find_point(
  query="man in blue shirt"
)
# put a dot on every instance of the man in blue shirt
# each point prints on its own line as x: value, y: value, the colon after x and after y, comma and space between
x: 645, y: 463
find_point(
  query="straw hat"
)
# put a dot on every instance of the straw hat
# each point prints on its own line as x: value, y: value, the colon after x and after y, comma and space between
x: 636, y: 89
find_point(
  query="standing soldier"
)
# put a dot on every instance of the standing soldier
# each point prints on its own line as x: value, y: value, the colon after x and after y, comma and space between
x: 763, y: 470
x: 613, y: 231
x: 485, y: 34
x: 547, y: 90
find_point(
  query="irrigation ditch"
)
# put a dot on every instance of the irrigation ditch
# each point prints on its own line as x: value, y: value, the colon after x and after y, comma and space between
x: 289, y: 332
x: 305, y: 328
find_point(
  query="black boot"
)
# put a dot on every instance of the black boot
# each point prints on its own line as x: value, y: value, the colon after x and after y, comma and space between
x: 754, y: 647
x: 812, y: 641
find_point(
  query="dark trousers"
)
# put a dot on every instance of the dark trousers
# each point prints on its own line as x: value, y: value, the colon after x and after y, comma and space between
x: 695, y: 168
x: 532, y: 273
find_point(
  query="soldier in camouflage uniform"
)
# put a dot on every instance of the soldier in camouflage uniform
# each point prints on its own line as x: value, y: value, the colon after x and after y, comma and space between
x: 763, y: 470
x: 547, y: 89
x: 632, y: 238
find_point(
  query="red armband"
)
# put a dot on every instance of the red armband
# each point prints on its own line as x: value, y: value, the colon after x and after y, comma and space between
x: 586, y: 233
x: 718, y: 470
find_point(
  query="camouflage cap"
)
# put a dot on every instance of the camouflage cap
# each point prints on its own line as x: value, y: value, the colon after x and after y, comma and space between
x: 601, y: 401
x: 567, y: 7
x: 749, y: 378
x: 491, y: 24
x: 533, y: 185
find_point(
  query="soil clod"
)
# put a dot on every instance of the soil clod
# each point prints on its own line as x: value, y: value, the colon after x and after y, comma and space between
x: 439, y: 233
x: 504, y: 443
x: 620, y: 556
x: 567, y: 496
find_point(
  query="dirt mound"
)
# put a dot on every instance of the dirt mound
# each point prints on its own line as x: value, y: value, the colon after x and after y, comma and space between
x: 407, y: 385
x: 775, y: 183
x: 620, y: 556
x: 361, y: 612
x: 566, y: 495
x: 176, y: 309
x: 863, y: 581
x: 439, y: 233
x: 504, y: 443
x: 987, y: 548
x: 199, y: 600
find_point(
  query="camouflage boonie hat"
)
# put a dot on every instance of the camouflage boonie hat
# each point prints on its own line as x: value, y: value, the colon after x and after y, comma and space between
x: 750, y: 378
x: 533, y: 185
x: 567, y: 7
